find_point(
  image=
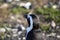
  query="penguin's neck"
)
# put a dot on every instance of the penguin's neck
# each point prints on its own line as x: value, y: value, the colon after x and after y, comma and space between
x: 30, y: 27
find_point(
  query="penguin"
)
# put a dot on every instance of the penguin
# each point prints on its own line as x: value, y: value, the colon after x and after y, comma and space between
x: 33, y: 25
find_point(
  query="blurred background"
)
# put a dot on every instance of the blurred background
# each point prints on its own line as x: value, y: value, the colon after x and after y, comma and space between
x: 13, y: 24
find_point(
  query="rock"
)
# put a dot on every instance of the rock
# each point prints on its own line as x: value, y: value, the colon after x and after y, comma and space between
x: 2, y: 30
x: 5, y: 5
x: 26, y: 5
x: 19, y: 33
x: 53, y: 24
x: 58, y: 36
x: 24, y: 38
x: 9, y: 29
x: 14, y: 30
x: 54, y: 6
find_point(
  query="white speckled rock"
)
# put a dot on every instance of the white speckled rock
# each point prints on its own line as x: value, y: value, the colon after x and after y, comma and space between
x: 54, y: 6
x: 19, y: 32
x: 53, y: 24
x: 58, y: 36
x: 2, y: 30
x: 26, y: 5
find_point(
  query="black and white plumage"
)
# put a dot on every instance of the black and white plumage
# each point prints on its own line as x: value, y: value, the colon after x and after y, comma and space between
x: 33, y: 25
x: 30, y: 22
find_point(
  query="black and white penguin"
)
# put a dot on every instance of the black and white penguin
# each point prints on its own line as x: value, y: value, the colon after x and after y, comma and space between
x: 33, y: 25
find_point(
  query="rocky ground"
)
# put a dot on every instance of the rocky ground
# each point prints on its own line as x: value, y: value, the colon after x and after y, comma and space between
x: 11, y: 21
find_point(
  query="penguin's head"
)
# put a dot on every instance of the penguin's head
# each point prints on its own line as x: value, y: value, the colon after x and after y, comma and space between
x: 35, y: 21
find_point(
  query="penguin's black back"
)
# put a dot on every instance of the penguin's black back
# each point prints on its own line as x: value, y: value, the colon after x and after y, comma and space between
x: 34, y: 35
